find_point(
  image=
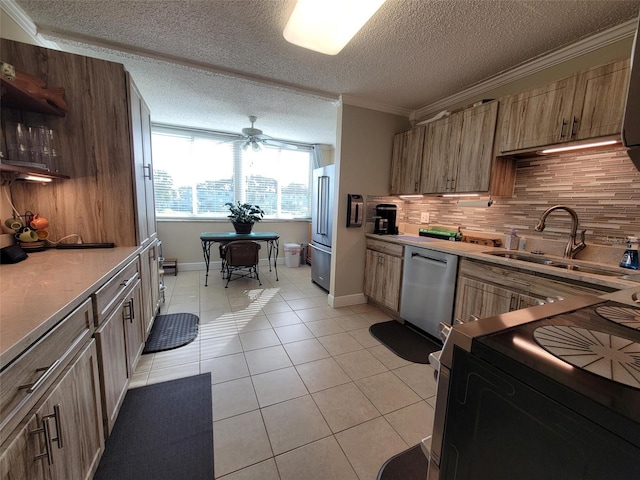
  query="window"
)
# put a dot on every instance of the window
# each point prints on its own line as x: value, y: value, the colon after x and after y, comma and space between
x: 196, y: 173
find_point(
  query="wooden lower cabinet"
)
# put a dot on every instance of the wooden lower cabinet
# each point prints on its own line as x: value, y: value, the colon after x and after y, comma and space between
x: 120, y: 339
x: 479, y: 299
x: 63, y: 439
x: 383, y: 276
x: 485, y: 290
x: 150, y: 278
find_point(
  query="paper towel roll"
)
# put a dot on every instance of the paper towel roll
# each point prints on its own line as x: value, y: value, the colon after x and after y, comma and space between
x: 475, y: 203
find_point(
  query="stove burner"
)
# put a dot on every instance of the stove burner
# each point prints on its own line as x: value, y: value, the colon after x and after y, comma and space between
x: 608, y: 356
x: 627, y: 316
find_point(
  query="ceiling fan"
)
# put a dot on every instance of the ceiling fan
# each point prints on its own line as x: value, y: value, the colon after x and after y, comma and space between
x: 254, y: 138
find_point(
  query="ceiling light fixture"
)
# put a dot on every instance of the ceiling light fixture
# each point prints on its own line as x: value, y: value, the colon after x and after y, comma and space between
x: 326, y: 26
x: 580, y: 147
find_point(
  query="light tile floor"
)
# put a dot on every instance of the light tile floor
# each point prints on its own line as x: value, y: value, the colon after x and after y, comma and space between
x: 300, y: 390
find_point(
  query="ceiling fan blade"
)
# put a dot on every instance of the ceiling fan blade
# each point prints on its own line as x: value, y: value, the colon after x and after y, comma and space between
x: 276, y: 143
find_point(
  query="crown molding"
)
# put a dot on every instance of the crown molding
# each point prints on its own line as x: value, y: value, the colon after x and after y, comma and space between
x: 584, y: 46
x: 18, y: 15
x: 371, y: 105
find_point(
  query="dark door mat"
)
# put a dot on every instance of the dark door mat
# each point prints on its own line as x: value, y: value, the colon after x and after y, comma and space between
x: 403, y: 341
x: 164, y: 431
x: 172, y: 331
x: 412, y: 464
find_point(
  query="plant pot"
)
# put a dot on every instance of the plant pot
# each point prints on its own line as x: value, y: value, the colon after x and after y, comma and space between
x: 243, y: 228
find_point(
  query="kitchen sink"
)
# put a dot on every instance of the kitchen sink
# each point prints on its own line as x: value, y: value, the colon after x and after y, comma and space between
x: 558, y: 263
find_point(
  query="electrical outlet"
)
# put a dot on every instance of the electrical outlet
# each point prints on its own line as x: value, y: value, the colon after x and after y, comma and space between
x: 424, y: 217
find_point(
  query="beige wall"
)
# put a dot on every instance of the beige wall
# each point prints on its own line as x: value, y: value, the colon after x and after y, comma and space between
x: 363, y: 162
x: 181, y: 239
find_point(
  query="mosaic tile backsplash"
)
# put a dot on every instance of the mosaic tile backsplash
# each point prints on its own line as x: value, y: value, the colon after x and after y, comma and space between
x: 603, y: 188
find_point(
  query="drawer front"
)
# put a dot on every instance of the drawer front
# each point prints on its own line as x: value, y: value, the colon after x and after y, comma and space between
x: 389, y: 248
x: 26, y: 379
x: 532, y: 284
x: 108, y: 296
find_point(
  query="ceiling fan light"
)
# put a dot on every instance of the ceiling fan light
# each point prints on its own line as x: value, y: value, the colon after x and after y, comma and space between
x: 326, y: 26
x: 255, y: 146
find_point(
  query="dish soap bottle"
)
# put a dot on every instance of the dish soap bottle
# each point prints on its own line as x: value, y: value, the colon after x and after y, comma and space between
x: 512, y: 241
x: 630, y: 257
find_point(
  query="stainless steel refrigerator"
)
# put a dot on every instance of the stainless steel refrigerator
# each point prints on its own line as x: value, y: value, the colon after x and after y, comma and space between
x: 321, y: 224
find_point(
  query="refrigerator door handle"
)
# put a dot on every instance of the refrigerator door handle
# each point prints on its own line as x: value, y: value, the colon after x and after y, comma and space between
x: 323, y: 212
x: 323, y: 250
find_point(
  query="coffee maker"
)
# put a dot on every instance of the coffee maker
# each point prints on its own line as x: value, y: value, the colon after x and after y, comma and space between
x: 385, y: 221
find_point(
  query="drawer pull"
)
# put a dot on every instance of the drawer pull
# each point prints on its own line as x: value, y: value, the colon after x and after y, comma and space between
x: 47, y: 441
x: 32, y: 387
x: 126, y: 283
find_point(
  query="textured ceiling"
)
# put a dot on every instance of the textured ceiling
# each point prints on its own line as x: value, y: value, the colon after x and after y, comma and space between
x: 232, y: 61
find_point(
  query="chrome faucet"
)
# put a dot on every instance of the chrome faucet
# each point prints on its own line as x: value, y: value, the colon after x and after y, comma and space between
x: 572, y: 247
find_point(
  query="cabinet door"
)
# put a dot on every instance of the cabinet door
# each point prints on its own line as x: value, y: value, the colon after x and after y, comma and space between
x: 150, y: 279
x: 599, y: 101
x: 73, y: 412
x: 441, y: 154
x: 141, y: 165
x: 383, y: 274
x: 481, y: 300
x: 473, y: 172
x: 538, y: 117
x: 21, y: 459
x: 134, y: 325
x: 150, y: 201
x: 114, y: 374
x: 407, y: 160
x: 398, y: 160
x: 370, y: 273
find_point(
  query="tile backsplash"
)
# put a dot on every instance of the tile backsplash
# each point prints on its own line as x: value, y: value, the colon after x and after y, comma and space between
x: 603, y: 188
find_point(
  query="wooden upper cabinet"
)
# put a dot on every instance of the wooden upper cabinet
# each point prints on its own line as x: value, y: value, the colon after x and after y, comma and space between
x: 458, y: 153
x: 476, y: 149
x: 599, y: 101
x: 406, y: 161
x: 538, y: 117
x: 589, y: 104
x: 441, y: 154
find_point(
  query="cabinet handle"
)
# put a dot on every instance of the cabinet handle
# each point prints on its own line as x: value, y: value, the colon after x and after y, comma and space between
x: 32, y: 387
x: 47, y: 441
x: 453, y: 184
x: 574, y: 124
x: 150, y: 172
x: 128, y: 313
x: 58, y: 419
x: 562, y: 127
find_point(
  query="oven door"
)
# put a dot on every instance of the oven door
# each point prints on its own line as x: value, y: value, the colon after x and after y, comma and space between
x: 499, y: 427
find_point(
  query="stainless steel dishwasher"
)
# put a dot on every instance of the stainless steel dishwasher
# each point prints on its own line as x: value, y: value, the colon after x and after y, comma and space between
x: 428, y: 288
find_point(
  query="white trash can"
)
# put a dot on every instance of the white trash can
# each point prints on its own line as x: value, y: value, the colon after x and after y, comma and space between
x: 292, y: 255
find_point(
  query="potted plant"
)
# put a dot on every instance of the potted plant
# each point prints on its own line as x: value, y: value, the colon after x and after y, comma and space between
x: 244, y: 215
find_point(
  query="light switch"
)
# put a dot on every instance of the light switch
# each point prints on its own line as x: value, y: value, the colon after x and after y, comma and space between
x: 424, y: 217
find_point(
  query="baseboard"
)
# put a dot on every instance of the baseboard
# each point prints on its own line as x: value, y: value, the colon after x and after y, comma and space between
x: 347, y: 300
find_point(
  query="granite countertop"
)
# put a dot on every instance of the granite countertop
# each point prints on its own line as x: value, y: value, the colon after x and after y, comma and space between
x: 479, y: 252
x: 38, y: 292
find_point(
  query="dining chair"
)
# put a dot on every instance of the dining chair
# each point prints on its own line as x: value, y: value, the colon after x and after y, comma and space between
x: 241, y: 259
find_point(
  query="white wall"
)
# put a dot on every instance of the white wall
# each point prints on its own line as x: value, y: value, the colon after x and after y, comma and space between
x: 181, y: 239
x: 363, y: 163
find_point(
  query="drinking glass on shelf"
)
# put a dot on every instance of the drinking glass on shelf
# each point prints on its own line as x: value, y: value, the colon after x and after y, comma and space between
x: 18, y: 145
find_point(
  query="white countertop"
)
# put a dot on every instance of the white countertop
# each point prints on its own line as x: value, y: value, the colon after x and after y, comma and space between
x: 478, y: 252
x: 38, y: 292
